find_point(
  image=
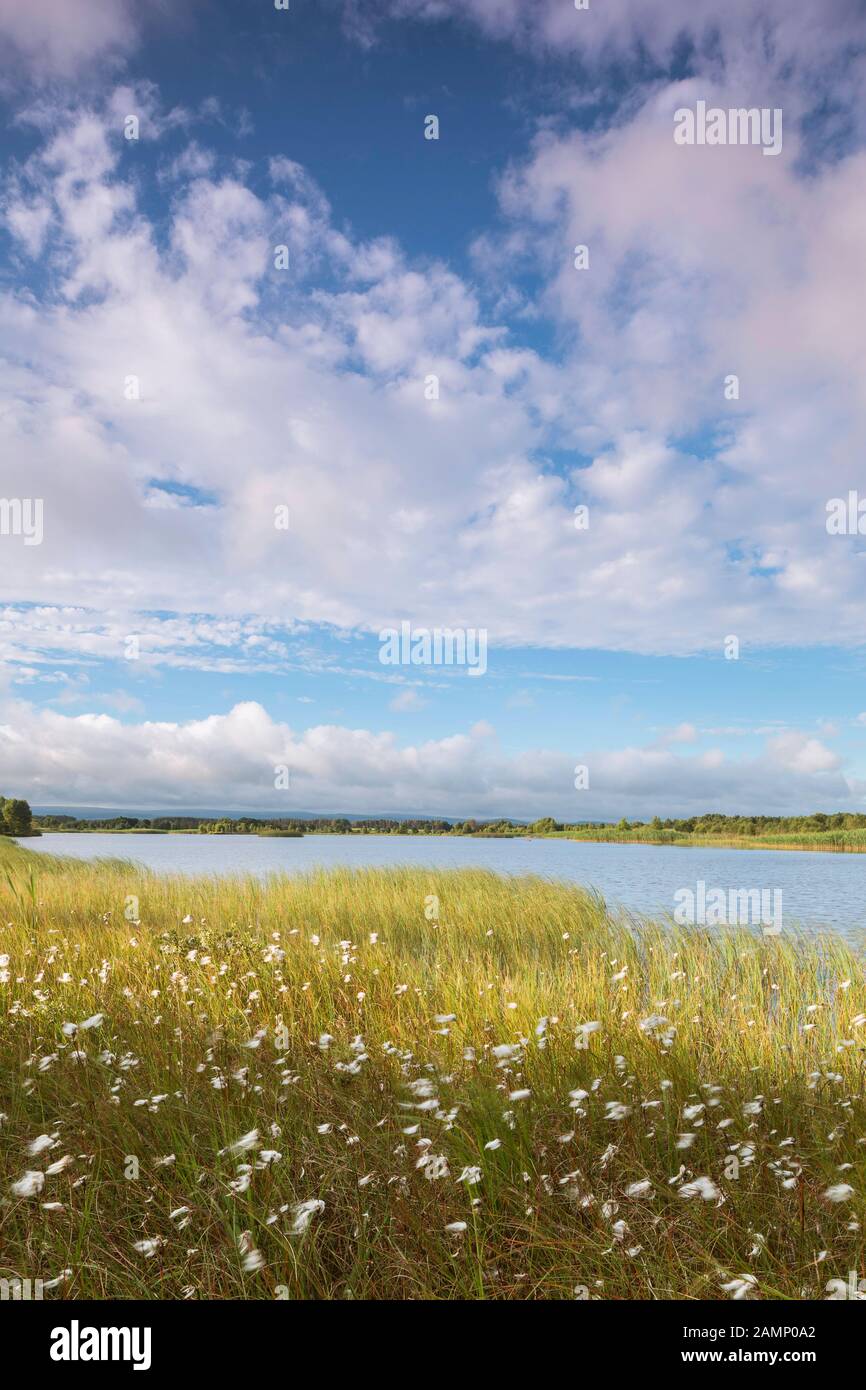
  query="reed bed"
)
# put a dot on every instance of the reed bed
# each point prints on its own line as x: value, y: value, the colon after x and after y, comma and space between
x: 417, y: 1085
x: 828, y: 841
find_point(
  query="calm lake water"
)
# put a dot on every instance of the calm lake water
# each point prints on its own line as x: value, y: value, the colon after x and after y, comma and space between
x: 818, y: 890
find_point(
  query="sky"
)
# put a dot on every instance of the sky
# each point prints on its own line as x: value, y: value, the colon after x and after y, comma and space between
x: 297, y: 346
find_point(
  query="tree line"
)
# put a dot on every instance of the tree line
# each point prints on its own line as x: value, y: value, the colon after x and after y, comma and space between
x: 16, y: 819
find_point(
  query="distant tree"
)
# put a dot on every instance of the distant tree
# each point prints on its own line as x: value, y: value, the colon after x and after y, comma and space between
x: 17, y: 817
x: 544, y: 826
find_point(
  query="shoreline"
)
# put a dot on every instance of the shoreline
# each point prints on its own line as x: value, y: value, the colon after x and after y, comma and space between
x: 829, y: 843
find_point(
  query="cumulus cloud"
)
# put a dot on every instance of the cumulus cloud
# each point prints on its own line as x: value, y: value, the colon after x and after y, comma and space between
x: 183, y: 359
x: 58, y: 38
x: 233, y: 759
x: 773, y: 33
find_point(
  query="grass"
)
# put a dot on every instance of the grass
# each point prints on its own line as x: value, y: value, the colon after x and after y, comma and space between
x: 831, y: 841
x: 380, y: 1043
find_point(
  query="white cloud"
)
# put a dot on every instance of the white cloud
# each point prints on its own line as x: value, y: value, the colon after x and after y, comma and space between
x: 801, y: 753
x: 57, y: 38
x: 407, y: 702
x: 774, y: 33
x: 231, y: 760
x: 306, y: 390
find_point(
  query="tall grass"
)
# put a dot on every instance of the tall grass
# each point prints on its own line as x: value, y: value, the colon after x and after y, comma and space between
x: 379, y: 1032
x: 832, y: 841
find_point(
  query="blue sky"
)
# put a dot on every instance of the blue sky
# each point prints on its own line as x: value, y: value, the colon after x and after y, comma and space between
x: 170, y: 388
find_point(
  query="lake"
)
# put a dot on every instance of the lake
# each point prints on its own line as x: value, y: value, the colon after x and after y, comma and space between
x: 817, y: 890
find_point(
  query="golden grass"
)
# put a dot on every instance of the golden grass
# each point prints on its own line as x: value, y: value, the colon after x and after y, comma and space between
x: 828, y: 841
x: 224, y: 1018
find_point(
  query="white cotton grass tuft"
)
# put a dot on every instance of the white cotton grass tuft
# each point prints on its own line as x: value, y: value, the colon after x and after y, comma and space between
x: 839, y: 1192
x: 40, y: 1144
x: 303, y: 1213
x: 639, y: 1189
x: 251, y: 1258
x: 615, y: 1110
x: 148, y: 1248
x: 242, y: 1145
x: 30, y: 1184
x: 54, y: 1168
x: 741, y: 1287
x: 701, y: 1187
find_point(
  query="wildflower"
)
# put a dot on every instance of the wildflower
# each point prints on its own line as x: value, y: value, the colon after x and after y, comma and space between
x: 652, y: 1023
x: 303, y: 1213
x: 740, y: 1287
x: 435, y: 1166
x: 58, y: 1167
x: 583, y: 1031
x: 839, y: 1192
x: 42, y: 1142
x: 246, y: 1141
x: 700, y: 1187
x: 616, y: 1110
x: 252, y: 1258
x: 148, y: 1248
x: 639, y: 1189
x: 30, y: 1185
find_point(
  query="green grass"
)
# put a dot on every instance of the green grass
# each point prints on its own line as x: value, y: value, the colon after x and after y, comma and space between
x: 831, y: 841
x: 759, y: 1022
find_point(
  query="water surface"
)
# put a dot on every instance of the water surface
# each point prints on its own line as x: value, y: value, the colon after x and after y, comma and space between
x: 818, y: 890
